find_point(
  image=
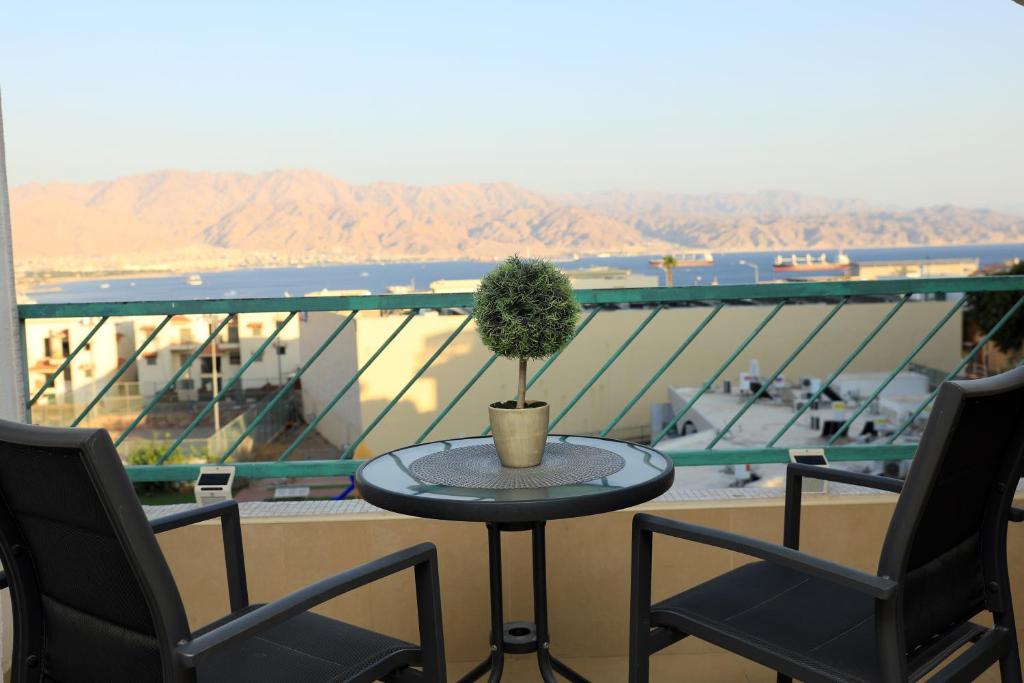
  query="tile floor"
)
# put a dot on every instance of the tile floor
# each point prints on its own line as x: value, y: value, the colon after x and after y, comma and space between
x: 699, y: 668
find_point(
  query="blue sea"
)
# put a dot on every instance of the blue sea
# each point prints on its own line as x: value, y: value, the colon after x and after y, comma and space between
x: 376, y: 277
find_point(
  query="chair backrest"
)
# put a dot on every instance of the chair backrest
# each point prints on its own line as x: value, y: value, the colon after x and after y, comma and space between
x: 947, y: 539
x: 93, y: 597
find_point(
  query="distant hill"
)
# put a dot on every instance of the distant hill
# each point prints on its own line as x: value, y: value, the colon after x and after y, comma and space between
x: 787, y: 220
x: 305, y: 215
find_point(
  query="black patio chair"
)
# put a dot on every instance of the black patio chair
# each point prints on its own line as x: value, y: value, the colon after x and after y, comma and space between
x: 94, y: 599
x: 943, y: 562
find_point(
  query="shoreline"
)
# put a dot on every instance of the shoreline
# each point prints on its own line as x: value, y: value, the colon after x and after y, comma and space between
x: 30, y: 281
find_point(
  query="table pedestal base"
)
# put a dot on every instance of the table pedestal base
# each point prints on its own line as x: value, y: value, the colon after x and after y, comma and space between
x: 520, y: 637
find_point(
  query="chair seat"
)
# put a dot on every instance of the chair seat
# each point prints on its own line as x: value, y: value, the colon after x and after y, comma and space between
x: 824, y: 631
x: 308, y: 648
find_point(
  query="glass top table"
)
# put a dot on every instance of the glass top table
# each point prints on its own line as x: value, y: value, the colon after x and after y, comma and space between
x: 461, y: 479
x: 396, y: 481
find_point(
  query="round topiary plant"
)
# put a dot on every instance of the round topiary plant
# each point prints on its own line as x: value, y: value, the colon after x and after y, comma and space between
x: 525, y: 309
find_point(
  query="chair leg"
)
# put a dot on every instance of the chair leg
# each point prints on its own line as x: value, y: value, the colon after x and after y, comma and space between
x: 1009, y: 664
x: 783, y: 678
x: 640, y: 607
x: 428, y: 607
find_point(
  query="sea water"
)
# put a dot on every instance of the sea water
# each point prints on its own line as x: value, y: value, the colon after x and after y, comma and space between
x: 377, y: 277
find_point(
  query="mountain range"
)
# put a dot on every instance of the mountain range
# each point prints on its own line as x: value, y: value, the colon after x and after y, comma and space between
x: 299, y: 216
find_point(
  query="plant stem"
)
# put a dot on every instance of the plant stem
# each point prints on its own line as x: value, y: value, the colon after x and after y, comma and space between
x: 521, y: 402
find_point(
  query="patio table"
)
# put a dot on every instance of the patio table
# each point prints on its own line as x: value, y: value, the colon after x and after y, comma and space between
x: 462, y: 479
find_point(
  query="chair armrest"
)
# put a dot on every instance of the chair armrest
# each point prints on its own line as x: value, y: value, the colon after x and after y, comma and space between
x: 423, y: 557
x: 4, y: 583
x: 197, y: 514
x: 879, y: 587
x: 795, y: 474
x: 231, y: 533
x: 871, y: 481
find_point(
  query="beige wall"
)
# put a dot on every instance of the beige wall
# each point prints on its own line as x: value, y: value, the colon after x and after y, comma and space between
x: 582, y: 359
x: 588, y: 576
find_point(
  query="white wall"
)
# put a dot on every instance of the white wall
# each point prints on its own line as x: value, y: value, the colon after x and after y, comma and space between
x: 329, y: 374
x: 90, y: 370
x: 12, y: 391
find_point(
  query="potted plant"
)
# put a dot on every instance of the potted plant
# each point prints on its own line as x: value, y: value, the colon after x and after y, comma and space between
x: 525, y: 310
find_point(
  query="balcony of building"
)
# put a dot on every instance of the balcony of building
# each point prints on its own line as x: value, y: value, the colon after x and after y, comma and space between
x: 724, y: 380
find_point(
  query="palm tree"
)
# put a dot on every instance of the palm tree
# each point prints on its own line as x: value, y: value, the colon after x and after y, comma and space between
x: 668, y: 264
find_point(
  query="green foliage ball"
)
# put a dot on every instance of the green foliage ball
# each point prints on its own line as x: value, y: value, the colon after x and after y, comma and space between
x: 525, y: 309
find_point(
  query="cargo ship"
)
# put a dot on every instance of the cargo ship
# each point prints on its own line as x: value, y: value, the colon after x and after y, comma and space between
x: 694, y: 259
x: 807, y: 262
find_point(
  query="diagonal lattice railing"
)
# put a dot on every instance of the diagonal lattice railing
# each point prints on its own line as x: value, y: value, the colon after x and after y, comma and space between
x: 770, y: 300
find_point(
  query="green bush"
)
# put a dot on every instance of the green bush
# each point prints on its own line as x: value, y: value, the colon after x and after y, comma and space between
x: 149, y: 453
x: 985, y: 309
x: 525, y: 309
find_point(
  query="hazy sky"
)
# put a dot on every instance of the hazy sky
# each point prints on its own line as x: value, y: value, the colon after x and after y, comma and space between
x: 904, y: 101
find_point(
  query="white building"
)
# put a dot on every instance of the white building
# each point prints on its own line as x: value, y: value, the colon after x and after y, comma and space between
x: 48, y: 342
x: 235, y: 344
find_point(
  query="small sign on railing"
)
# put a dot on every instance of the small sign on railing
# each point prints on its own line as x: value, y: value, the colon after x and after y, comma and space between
x: 811, y: 456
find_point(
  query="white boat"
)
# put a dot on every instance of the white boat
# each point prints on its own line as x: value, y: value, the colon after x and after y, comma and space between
x: 194, y: 280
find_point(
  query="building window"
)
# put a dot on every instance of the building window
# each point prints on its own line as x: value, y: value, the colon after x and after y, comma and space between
x: 87, y: 372
x: 206, y: 365
x: 151, y: 360
x: 235, y: 358
x: 281, y: 348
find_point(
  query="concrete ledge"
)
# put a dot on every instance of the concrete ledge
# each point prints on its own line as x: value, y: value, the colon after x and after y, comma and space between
x: 677, y: 494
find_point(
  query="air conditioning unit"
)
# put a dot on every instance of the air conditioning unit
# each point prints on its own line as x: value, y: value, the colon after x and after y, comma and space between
x: 809, y: 386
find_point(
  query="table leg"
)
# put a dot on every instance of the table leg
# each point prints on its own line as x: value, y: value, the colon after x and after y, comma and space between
x: 540, y: 603
x: 545, y: 661
x: 520, y: 637
x: 496, y: 662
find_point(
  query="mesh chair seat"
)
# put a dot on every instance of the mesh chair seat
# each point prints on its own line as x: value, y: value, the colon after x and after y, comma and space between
x: 780, y: 611
x: 308, y: 648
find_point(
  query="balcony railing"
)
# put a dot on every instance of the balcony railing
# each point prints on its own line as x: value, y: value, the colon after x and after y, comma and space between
x: 770, y: 300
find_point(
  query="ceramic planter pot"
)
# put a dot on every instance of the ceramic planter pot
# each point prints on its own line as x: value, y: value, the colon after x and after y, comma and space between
x: 520, y: 433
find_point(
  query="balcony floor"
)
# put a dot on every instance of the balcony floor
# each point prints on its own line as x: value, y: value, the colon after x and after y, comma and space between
x: 717, y: 667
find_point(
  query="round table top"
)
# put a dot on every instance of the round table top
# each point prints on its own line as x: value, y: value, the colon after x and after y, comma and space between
x: 388, y: 481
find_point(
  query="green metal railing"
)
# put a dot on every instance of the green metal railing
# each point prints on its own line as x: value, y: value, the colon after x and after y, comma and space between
x: 772, y: 298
